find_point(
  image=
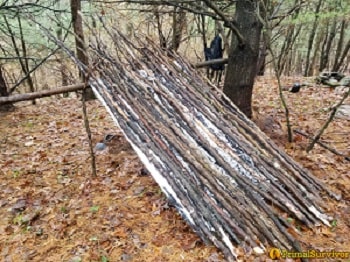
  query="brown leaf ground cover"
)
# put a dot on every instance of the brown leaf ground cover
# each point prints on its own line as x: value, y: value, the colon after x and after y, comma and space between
x: 52, y: 209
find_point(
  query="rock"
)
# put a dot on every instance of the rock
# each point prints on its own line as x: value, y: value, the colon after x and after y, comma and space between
x: 343, y: 112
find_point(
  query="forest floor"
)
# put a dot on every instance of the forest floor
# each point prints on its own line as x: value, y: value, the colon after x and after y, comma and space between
x: 53, y: 209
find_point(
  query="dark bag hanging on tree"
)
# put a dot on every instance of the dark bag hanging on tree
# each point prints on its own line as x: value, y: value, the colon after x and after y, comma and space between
x: 216, y: 52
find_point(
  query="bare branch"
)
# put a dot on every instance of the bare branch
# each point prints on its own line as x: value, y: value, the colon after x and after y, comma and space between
x: 229, y: 23
x: 191, y: 6
x: 212, y: 62
x: 330, y: 118
x: 40, y: 94
x: 323, y: 145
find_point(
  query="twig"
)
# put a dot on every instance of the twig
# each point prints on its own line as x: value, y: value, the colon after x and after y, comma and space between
x: 88, y: 131
x: 284, y: 103
x: 323, y: 145
x: 330, y: 118
x: 267, y: 35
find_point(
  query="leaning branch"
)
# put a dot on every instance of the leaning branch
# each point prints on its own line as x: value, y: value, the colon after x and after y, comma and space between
x: 329, y: 120
x: 323, y: 145
x: 40, y: 94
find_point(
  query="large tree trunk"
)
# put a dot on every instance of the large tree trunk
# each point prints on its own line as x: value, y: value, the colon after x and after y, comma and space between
x: 243, y: 58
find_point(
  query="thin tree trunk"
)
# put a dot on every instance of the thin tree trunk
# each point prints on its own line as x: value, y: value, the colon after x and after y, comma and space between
x: 326, y: 52
x: 343, y: 57
x: 21, y: 57
x: 287, y: 47
x: 312, y: 66
x: 179, y: 25
x: 162, y: 40
x: 342, y: 51
x: 60, y: 55
x: 311, y: 38
x: 340, y: 44
x: 284, y: 51
x: 4, y: 92
x: 299, y: 64
x: 25, y: 62
x: 80, y: 42
x: 202, y: 31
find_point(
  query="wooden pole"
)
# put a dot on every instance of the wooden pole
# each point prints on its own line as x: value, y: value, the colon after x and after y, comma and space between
x: 211, y: 62
x: 40, y: 94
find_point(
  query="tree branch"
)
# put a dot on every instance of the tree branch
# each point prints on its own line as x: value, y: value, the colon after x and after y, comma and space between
x: 40, y: 94
x: 211, y: 62
x: 191, y: 6
x: 229, y: 23
x: 323, y: 145
x: 330, y: 118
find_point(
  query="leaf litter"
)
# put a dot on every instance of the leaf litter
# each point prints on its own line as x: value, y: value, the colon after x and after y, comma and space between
x: 52, y: 209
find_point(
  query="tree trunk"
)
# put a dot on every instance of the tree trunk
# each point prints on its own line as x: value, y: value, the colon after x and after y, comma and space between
x: 60, y: 55
x: 25, y: 62
x: 4, y: 92
x: 243, y: 58
x: 341, y: 50
x: 343, y: 57
x: 287, y: 47
x: 162, y: 40
x: 316, y: 54
x: 262, y: 56
x: 324, y: 63
x: 179, y: 25
x: 21, y: 55
x: 77, y: 22
x: 202, y: 30
x: 311, y: 38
